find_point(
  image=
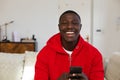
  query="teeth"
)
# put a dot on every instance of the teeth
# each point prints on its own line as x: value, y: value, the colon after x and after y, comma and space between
x: 69, y: 32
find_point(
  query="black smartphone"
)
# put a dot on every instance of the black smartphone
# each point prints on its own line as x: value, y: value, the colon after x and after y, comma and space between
x: 75, y: 70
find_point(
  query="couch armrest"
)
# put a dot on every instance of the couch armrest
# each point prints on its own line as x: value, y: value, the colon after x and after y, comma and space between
x: 112, y: 68
x: 105, y: 78
x: 30, y: 59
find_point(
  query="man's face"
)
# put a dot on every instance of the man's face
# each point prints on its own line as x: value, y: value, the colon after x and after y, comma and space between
x: 70, y: 27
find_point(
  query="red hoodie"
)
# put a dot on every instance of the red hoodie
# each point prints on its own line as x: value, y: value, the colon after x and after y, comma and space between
x: 52, y: 60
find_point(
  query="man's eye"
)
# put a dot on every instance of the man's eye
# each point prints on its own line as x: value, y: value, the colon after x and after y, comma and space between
x: 64, y: 23
x: 75, y: 23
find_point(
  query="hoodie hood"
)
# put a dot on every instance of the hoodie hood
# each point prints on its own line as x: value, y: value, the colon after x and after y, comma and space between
x: 55, y: 43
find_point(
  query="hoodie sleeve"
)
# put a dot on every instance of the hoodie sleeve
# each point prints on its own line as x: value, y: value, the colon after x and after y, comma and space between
x: 97, y: 70
x: 41, y: 66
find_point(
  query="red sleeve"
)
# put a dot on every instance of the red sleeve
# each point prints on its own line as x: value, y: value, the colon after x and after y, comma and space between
x: 97, y: 70
x: 41, y: 66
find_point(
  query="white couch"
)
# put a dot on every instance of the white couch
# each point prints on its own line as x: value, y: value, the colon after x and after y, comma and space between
x: 112, y: 67
x: 17, y: 66
x: 21, y: 66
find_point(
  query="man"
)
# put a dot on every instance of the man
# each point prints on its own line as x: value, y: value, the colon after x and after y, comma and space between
x: 67, y: 48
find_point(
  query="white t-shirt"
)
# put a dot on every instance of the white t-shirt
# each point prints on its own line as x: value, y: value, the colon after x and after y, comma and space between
x: 69, y: 52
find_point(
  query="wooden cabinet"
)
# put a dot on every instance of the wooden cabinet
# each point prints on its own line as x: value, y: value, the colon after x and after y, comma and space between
x: 17, y: 47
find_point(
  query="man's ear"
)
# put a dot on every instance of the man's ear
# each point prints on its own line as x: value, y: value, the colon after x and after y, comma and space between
x: 80, y: 26
x: 59, y: 26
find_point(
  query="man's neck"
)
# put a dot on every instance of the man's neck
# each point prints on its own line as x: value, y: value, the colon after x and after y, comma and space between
x: 69, y: 45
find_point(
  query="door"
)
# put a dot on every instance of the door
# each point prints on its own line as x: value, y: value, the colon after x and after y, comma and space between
x: 106, y: 30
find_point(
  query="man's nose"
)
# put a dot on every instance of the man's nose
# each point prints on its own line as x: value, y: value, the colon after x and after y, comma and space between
x: 70, y: 25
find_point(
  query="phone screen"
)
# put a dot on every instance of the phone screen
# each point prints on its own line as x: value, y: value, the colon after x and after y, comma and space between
x: 75, y: 70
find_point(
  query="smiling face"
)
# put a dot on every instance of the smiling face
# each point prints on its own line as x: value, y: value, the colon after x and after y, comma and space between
x: 70, y: 26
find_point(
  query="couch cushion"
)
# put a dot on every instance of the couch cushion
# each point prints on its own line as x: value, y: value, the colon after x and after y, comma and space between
x: 11, y: 66
x: 112, y: 70
x: 30, y: 59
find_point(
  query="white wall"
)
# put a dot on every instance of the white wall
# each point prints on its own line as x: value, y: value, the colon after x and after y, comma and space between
x: 38, y: 17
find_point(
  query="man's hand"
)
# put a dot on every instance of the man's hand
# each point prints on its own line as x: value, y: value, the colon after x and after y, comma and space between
x: 64, y: 76
x: 67, y: 76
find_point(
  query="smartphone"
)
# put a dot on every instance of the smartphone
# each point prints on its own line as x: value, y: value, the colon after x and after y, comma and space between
x: 75, y: 70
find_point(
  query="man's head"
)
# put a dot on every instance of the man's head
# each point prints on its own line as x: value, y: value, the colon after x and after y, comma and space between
x: 70, y: 26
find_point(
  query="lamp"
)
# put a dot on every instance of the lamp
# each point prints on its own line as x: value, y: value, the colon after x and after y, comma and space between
x: 5, y: 36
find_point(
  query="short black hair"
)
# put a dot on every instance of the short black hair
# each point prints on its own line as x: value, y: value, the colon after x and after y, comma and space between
x: 69, y: 11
